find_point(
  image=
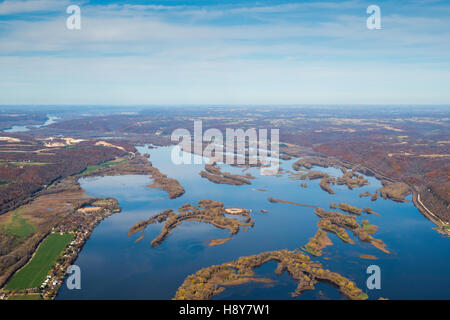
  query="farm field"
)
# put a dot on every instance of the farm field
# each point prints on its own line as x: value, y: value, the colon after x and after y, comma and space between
x: 33, y: 274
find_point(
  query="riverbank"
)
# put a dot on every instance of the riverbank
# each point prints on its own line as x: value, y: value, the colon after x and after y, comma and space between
x: 441, y: 226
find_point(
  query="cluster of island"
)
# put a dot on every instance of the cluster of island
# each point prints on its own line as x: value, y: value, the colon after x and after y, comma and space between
x: 393, y: 190
x: 211, y: 281
x: 337, y: 223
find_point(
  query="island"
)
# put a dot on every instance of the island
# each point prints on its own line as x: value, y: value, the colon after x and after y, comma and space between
x: 349, y: 178
x: 317, y: 243
x: 207, y: 211
x: 273, y: 200
x: 215, y: 174
x: 216, y: 242
x: 351, y: 209
x: 338, y: 223
x: 209, y: 282
x: 373, y: 196
x: 368, y: 257
x: 396, y: 191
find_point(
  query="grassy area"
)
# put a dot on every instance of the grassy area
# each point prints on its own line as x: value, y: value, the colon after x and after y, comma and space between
x: 307, y: 249
x: 363, y: 296
x: 25, y: 297
x: 34, y: 273
x: 18, y: 226
x: 24, y: 163
x: 366, y: 226
x: 101, y: 165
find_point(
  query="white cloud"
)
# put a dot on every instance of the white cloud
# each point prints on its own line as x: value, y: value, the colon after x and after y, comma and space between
x: 9, y: 7
x: 141, y: 55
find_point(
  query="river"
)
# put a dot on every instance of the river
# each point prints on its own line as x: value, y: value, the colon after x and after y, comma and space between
x: 114, y: 266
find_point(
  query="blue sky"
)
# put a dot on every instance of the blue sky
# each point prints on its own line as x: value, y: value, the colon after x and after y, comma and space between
x: 224, y: 52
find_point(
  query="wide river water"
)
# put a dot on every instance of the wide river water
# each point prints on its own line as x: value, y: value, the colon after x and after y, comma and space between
x: 50, y: 120
x: 114, y: 266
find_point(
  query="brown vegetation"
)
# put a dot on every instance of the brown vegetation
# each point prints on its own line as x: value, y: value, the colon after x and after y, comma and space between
x: 337, y: 223
x: 28, y: 169
x: 216, y: 242
x: 273, y: 200
x: 396, y: 191
x: 349, y: 178
x: 317, y: 243
x: 215, y: 174
x: 373, y: 196
x: 346, y: 208
x: 211, y: 281
x: 368, y: 257
x: 208, y: 211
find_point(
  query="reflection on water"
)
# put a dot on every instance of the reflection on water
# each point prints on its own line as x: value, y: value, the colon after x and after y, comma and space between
x: 50, y: 120
x: 115, y: 267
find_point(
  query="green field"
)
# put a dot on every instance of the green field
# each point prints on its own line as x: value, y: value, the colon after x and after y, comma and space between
x: 25, y: 297
x: 18, y: 226
x: 71, y: 147
x: 34, y: 273
x: 101, y: 165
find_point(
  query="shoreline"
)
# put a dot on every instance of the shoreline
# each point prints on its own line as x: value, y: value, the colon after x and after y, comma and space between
x: 442, y: 227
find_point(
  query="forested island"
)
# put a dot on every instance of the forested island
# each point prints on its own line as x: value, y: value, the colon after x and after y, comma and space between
x: 207, y: 211
x: 349, y: 178
x: 209, y: 282
x: 338, y: 223
x: 215, y: 174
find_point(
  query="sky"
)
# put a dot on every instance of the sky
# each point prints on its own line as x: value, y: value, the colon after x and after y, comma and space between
x: 266, y: 52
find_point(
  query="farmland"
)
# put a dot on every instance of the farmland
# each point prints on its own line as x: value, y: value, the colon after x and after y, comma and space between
x: 34, y: 273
